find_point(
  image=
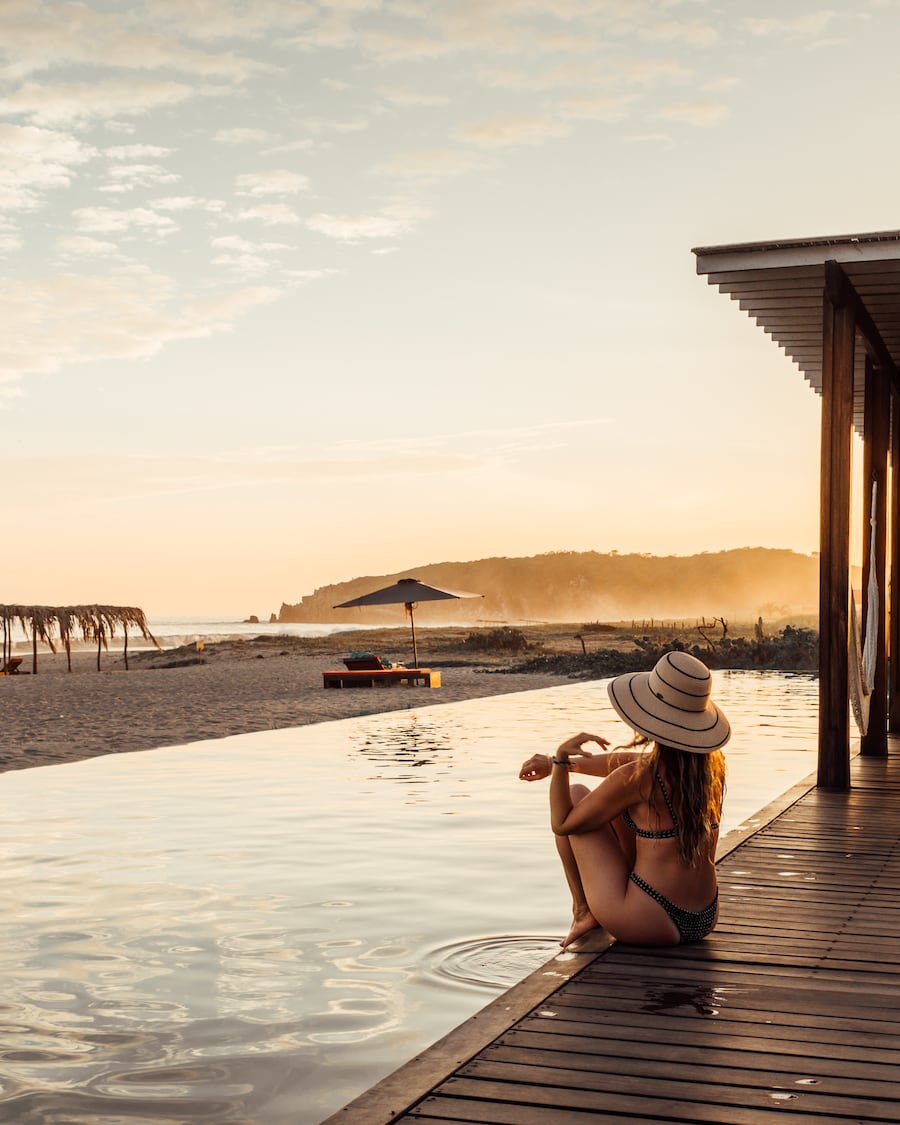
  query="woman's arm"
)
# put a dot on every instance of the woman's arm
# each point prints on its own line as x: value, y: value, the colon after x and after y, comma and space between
x: 620, y: 789
x: 602, y: 765
x: 539, y: 766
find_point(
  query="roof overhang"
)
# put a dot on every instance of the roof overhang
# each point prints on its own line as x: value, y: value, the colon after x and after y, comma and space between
x: 783, y: 285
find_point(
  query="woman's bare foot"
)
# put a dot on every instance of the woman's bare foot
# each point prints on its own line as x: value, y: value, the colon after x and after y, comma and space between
x: 582, y: 924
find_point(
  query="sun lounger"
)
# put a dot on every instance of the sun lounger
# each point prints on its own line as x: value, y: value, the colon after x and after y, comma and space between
x: 380, y: 677
x: 11, y: 667
x: 366, y: 662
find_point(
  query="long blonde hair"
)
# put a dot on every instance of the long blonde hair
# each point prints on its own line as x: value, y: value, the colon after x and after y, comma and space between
x: 696, y: 787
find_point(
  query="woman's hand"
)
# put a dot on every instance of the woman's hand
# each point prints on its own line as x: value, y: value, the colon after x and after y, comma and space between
x: 574, y: 747
x: 536, y: 768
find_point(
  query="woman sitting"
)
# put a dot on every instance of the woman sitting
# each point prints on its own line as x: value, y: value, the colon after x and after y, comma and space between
x: 638, y: 851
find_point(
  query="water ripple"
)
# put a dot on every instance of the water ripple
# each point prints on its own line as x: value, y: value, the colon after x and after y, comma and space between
x: 490, y: 963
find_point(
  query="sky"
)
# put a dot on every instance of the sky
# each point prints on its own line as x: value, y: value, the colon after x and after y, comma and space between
x: 295, y: 291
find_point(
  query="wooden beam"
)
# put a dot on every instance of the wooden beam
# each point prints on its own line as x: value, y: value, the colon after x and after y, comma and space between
x: 876, y: 439
x: 834, y: 531
x: 842, y: 289
x: 894, y: 568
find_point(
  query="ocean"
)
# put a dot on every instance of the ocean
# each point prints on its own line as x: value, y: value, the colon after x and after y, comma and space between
x: 172, y: 632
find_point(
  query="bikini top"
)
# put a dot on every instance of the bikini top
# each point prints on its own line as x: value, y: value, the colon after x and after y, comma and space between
x: 663, y: 833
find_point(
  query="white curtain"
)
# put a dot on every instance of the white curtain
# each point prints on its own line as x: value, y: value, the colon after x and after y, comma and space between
x: 864, y: 654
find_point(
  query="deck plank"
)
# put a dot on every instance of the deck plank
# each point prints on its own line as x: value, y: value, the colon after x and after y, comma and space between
x: 791, y: 1006
x: 771, y: 1068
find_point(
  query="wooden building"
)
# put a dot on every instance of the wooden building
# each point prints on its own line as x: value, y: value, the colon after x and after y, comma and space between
x: 833, y: 305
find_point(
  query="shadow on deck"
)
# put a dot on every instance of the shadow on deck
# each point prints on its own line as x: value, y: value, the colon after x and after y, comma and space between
x: 791, y: 1006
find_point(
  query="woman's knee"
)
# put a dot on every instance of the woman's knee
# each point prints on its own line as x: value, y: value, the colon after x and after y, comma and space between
x: 577, y: 793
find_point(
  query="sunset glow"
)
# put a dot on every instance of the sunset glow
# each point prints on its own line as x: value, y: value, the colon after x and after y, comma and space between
x: 295, y: 292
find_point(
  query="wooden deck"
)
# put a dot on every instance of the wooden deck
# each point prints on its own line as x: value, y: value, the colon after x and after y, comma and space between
x: 790, y: 1008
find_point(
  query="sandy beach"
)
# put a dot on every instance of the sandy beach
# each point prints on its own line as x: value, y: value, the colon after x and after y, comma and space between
x: 233, y: 687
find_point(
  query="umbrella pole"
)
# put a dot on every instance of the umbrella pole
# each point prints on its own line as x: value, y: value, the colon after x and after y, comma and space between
x: 412, y: 625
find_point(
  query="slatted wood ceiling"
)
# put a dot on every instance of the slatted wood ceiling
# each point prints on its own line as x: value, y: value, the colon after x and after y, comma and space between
x: 780, y: 285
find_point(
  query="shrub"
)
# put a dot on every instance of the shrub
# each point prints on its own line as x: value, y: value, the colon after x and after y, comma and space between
x: 504, y: 639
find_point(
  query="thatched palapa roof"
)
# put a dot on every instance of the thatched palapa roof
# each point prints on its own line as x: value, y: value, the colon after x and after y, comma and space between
x: 52, y: 624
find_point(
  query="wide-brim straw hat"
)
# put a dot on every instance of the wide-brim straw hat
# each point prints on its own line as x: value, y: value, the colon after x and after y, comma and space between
x: 672, y: 704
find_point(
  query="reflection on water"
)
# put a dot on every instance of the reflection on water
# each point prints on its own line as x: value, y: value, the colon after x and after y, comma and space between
x: 258, y: 928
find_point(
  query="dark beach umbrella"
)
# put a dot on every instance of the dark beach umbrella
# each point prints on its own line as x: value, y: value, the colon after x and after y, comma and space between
x: 407, y: 592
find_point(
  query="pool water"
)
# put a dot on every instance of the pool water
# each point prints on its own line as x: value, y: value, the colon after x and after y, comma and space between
x: 256, y: 929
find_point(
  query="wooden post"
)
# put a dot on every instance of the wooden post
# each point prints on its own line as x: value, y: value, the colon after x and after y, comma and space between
x: 410, y: 606
x: 894, y: 607
x: 875, y: 459
x: 839, y: 330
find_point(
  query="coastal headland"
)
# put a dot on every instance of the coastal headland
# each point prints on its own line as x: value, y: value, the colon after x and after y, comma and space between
x: 230, y: 687
x: 586, y: 585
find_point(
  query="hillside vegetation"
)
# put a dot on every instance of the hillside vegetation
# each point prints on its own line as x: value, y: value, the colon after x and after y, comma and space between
x: 588, y: 586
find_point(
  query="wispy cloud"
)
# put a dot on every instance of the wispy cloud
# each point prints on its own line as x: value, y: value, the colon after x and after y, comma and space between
x: 305, y: 277
x: 235, y: 243
x: 403, y: 96
x: 427, y: 166
x: 597, y: 108
x: 188, y: 203
x: 568, y: 75
x: 82, y: 102
x: 800, y: 26
x: 229, y: 20
x: 299, y: 144
x: 355, y: 228
x: 127, y: 177
x: 83, y: 246
x: 108, y: 220
x: 391, y: 223
x: 278, y: 181
x: 206, y: 128
x: 682, y: 31
x: 138, y: 152
x: 245, y: 257
x: 9, y: 241
x: 239, y: 136
x: 91, y: 481
x: 510, y: 130
x: 35, y: 161
x: 69, y: 318
x: 36, y: 36
x: 505, y: 440
x: 328, y: 126
x: 270, y: 215
x: 244, y: 265
x: 701, y: 113
x: 653, y: 72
